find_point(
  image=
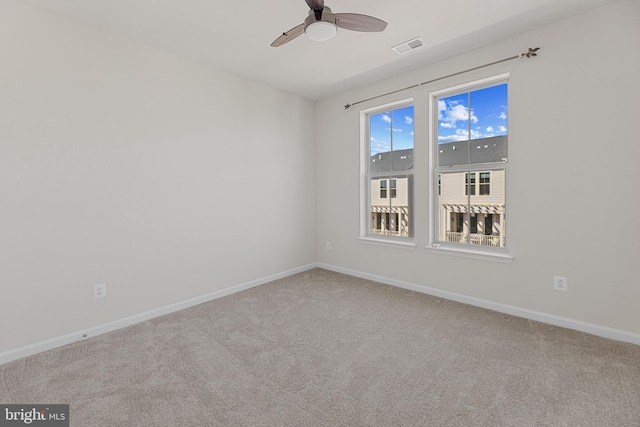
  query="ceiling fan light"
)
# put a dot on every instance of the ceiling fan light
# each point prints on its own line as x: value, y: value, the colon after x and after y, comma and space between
x: 321, y: 31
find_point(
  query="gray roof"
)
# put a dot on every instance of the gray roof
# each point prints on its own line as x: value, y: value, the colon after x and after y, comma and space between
x: 483, y: 150
x: 401, y: 160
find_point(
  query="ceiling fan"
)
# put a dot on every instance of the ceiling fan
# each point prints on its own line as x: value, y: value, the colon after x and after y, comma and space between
x: 322, y: 24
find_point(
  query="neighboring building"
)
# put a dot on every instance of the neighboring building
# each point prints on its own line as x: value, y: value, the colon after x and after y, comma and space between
x: 390, y: 196
x: 471, y: 204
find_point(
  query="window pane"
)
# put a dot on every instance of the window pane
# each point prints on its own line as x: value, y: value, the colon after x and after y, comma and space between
x: 470, y: 181
x: 453, y: 130
x: 471, y: 219
x: 391, y: 140
x: 379, y: 133
x: 402, y: 134
x: 472, y: 127
x: 390, y: 216
x: 391, y: 143
x: 489, y: 130
x: 485, y: 184
x: 380, y: 142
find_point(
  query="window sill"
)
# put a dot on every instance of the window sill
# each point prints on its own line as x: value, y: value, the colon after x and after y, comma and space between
x: 470, y: 253
x: 398, y: 244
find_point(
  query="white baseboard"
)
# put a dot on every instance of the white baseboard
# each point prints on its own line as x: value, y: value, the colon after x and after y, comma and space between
x: 59, y: 341
x: 602, y: 331
x: 589, y: 328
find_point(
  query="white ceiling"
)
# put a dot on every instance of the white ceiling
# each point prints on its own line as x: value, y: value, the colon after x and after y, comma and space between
x: 235, y: 35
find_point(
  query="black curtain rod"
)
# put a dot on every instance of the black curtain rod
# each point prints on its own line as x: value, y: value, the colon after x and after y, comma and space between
x: 529, y: 54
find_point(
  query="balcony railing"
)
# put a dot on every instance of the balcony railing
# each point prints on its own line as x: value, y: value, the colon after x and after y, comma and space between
x: 401, y: 233
x: 475, y: 239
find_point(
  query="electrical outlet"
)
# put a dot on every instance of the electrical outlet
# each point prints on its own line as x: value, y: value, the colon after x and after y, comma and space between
x: 327, y: 245
x: 560, y: 283
x: 99, y: 290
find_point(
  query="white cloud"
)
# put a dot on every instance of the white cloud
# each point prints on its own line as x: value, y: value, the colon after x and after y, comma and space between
x: 447, y: 125
x: 457, y: 113
x: 502, y: 129
x: 503, y: 116
x: 380, y: 147
x: 386, y: 118
x: 452, y: 138
x: 408, y: 120
x: 490, y: 129
x: 460, y: 135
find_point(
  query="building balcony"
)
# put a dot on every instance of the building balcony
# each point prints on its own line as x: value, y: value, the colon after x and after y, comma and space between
x: 476, y: 239
x: 398, y: 233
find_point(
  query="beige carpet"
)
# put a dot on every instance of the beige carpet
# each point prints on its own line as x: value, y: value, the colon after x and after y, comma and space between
x: 324, y: 349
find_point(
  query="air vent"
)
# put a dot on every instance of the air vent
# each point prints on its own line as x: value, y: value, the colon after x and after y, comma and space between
x: 408, y: 46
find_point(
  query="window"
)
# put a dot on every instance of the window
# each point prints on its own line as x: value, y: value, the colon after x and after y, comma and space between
x: 470, y: 165
x: 470, y: 184
x: 383, y: 188
x: 470, y: 181
x: 485, y: 183
x: 389, y: 171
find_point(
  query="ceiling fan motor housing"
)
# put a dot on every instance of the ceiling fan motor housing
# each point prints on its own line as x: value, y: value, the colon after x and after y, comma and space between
x: 322, y: 28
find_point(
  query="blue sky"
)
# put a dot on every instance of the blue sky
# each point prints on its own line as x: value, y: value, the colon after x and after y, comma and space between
x: 487, y: 117
x: 391, y: 127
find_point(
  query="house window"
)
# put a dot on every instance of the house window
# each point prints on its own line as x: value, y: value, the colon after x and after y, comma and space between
x: 485, y: 183
x: 470, y: 184
x: 389, y: 171
x: 383, y: 188
x: 470, y: 164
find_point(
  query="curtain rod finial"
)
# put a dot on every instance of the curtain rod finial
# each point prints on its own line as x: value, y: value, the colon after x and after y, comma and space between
x: 532, y: 52
x: 347, y: 106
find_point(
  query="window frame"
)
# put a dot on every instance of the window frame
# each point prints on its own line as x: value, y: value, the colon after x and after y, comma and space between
x: 383, y: 188
x: 502, y: 254
x: 469, y: 184
x: 486, y: 184
x: 366, y: 176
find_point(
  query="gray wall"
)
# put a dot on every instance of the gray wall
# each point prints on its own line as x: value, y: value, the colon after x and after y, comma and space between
x: 120, y: 163
x: 573, y: 155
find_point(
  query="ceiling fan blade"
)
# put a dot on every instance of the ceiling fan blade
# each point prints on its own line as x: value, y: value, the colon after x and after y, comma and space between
x: 288, y: 36
x: 358, y: 22
x: 315, y: 4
